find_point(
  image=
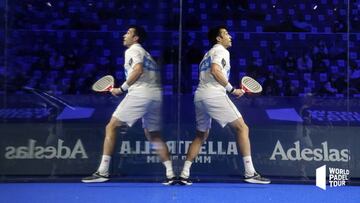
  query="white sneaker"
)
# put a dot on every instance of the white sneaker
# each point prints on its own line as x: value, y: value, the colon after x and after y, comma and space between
x: 184, y: 181
x: 256, y: 178
x: 169, y: 181
x: 96, y: 178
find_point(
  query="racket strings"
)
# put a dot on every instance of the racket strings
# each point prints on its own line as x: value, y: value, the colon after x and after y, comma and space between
x: 252, y: 84
x: 103, y: 83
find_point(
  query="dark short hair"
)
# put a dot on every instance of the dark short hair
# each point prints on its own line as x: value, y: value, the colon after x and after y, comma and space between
x: 140, y: 32
x: 214, y: 33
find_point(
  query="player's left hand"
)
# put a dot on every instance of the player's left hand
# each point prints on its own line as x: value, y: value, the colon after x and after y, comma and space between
x: 238, y: 93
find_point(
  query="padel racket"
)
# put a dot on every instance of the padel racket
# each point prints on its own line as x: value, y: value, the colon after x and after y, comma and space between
x: 250, y: 85
x: 104, y: 84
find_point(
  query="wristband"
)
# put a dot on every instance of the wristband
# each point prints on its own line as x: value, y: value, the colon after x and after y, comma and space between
x: 124, y: 87
x: 229, y: 88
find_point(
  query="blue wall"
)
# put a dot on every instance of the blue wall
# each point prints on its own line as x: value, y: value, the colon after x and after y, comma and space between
x: 47, y: 140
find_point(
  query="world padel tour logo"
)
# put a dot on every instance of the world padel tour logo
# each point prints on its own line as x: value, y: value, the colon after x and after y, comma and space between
x: 337, y: 177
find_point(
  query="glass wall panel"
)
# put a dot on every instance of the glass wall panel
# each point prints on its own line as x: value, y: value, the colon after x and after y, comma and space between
x: 52, y: 123
x: 305, y: 54
x: 299, y: 52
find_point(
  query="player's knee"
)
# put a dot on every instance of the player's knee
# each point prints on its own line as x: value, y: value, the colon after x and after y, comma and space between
x: 241, y: 127
x: 244, y: 128
x: 110, y: 127
x: 153, y: 136
x: 202, y: 135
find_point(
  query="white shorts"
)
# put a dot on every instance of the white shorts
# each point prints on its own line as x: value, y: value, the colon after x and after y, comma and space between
x: 131, y: 108
x: 221, y: 109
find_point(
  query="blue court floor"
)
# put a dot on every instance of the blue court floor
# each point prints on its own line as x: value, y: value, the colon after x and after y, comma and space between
x: 157, y: 193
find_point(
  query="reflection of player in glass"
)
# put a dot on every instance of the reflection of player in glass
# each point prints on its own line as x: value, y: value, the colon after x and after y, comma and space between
x: 304, y: 132
x: 211, y: 102
x: 142, y: 101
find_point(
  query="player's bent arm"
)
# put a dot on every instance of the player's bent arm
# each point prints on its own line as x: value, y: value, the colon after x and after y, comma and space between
x: 135, y: 74
x: 220, y: 78
x: 133, y: 77
x: 218, y: 75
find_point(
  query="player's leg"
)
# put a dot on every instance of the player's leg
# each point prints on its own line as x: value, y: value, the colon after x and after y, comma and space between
x: 163, y: 151
x: 223, y: 110
x: 102, y: 173
x: 192, y: 153
x: 110, y: 136
x: 126, y: 113
x: 196, y: 144
x: 242, y: 136
x: 203, y: 124
x: 152, y: 126
x: 158, y: 144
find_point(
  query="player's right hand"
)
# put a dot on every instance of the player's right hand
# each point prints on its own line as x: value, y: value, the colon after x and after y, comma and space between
x: 116, y: 91
x: 238, y: 93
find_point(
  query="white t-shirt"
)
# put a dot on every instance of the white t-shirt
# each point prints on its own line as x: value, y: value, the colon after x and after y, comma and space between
x: 149, y: 83
x: 208, y: 86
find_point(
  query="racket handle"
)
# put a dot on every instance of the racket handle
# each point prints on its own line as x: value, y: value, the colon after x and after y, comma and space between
x: 242, y: 89
x: 110, y: 88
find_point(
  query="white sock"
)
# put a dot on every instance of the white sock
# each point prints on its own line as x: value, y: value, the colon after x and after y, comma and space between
x: 104, y: 165
x: 169, y: 169
x: 185, y: 173
x: 249, y: 167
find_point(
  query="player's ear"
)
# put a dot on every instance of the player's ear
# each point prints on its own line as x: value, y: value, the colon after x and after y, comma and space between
x: 218, y: 38
x: 136, y: 38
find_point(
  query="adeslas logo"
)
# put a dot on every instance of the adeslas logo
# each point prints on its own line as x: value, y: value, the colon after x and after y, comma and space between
x: 35, y: 151
x: 297, y: 153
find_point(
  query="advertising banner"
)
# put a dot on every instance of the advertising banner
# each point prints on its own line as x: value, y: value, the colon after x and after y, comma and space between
x: 290, y: 137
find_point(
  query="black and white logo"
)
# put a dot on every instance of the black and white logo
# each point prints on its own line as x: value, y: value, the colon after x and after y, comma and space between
x: 223, y: 62
x: 337, y: 177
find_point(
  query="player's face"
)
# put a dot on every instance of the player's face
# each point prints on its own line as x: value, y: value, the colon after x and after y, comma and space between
x: 225, y: 38
x: 129, y: 37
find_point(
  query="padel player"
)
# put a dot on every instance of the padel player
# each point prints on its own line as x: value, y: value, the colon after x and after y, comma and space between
x: 143, y: 100
x: 212, y: 102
